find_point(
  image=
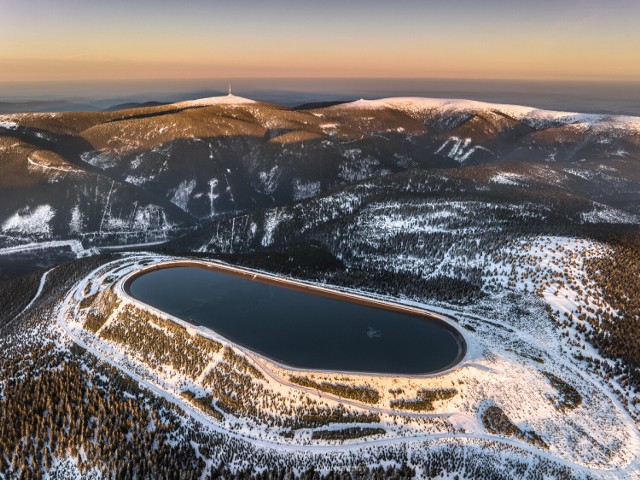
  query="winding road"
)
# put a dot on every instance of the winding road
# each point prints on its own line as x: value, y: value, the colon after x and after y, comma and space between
x: 43, y: 280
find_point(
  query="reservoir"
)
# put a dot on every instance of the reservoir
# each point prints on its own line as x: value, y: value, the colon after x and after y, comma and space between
x: 299, y: 328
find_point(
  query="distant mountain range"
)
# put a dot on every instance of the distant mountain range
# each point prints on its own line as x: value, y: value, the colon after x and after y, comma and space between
x: 130, y: 105
x: 154, y: 173
x: 45, y: 106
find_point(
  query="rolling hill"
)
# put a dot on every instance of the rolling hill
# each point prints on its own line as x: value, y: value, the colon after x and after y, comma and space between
x: 152, y: 174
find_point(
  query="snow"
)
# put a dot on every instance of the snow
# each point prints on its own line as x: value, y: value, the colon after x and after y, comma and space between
x: 532, y: 116
x: 182, y: 194
x: 137, y: 181
x: 302, y: 189
x: 30, y: 221
x: 149, y: 219
x: 507, y: 178
x: 213, y: 184
x: 270, y: 180
x: 74, y: 245
x: 384, y: 220
x: 76, y: 224
x: 102, y: 160
x: 272, y: 220
x: 357, y: 167
x: 8, y: 125
x: 136, y: 162
x: 605, y: 214
x: 67, y: 468
x: 150, y: 216
x: 43, y: 280
x: 597, y: 438
x: 38, y: 160
x: 458, y: 149
x: 329, y: 128
x: 230, y: 100
x: 582, y: 173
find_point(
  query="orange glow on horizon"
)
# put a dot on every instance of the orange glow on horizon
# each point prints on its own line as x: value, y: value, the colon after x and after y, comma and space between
x: 544, y: 40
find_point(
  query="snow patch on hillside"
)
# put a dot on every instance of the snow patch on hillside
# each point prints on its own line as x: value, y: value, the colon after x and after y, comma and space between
x: 99, y: 159
x: 76, y: 224
x: 358, y: 167
x: 418, y: 106
x: 458, y: 149
x: 67, y: 468
x: 329, y: 128
x: 211, y: 195
x: 222, y: 100
x: 302, y: 189
x: 270, y: 180
x: 507, y: 178
x: 144, y: 219
x: 182, y: 194
x: 8, y: 125
x: 137, y: 181
x: 606, y: 214
x: 150, y: 217
x: 30, y: 221
x: 272, y: 219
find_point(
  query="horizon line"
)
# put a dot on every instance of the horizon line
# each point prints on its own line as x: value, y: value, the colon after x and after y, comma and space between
x: 314, y: 77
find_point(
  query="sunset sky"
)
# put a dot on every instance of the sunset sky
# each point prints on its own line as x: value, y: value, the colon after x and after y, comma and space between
x: 45, y: 40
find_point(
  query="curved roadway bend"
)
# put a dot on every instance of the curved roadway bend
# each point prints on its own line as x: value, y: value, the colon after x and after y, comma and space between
x: 43, y: 280
x: 632, y: 470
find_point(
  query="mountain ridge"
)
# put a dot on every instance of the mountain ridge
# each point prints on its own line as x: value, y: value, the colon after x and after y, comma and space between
x: 173, y: 167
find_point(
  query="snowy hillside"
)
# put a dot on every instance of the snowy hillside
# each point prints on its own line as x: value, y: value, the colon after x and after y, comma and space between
x: 209, y: 101
x: 518, y: 227
x: 176, y: 166
x: 533, y: 117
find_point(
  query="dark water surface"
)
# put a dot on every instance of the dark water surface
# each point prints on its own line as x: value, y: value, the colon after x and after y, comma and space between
x: 298, y: 328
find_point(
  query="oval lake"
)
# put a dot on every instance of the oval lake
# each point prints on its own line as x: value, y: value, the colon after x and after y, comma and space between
x: 298, y: 328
